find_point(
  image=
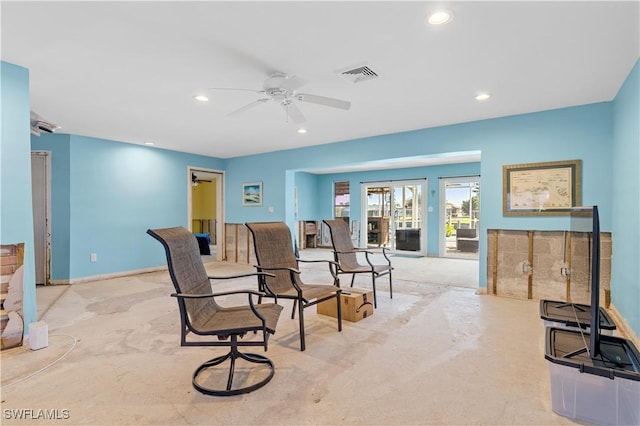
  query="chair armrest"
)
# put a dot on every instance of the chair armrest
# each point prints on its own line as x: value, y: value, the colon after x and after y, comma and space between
x: 333, y: 268
x: 384, y: 253
x: 262, y: 268
x: 291, y: 271
x: 224, y: 293
x: 240, y: 276
x: 354, y: 251
x: 318, y: 261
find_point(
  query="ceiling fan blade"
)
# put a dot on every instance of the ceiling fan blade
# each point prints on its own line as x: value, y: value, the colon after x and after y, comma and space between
x: 293, y: 112
x: 235, y: 89
x: 249, y: 106
x: 322, y: 100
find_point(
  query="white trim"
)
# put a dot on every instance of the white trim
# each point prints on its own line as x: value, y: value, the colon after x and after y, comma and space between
x: 109, y: 276
x: 220, y: 236
x: 424, y: 184
x: 47, y: 225
x: 442, y: 239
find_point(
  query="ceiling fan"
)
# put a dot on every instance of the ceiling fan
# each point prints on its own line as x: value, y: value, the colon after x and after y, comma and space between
x: 195, y: 180
x: 282, y: 89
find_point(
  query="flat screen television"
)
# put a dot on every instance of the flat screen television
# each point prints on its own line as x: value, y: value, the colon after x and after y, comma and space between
x: 586, y: 220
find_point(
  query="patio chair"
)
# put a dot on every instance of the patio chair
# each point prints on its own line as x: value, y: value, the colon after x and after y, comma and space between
x: 345, y: 256
x: 275, y: 255
x: 201, y: 315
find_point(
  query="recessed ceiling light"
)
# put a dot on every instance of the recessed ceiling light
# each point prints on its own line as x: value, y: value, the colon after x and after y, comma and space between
x: 302, y: 130
x: 483, y: 96
x: 201, y: 98
x: 440, y: 17
x: 149, y: 143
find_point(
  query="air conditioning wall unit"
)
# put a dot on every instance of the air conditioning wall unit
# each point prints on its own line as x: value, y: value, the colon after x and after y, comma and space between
x: 39, y: 125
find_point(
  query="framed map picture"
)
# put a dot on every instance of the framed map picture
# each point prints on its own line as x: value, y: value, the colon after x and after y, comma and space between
x: 252, y: 194
x: 541, y: 188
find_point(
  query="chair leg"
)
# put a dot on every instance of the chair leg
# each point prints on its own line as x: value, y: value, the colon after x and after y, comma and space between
x: 293, y: 310
x: 390, y: 286
x: 301, y: 320
x: 231, y: 356
x: 353, y: 277
x: 375, y: 297
x: 339, y: 311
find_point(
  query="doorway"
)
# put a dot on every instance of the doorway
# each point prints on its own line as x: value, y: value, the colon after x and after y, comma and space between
x: 41, y: 198
x: 460, y: 216
x: 206, y: 210
x: 394, y: 212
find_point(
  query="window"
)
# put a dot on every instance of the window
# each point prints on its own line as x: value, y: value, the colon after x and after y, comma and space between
x: 341, y: 199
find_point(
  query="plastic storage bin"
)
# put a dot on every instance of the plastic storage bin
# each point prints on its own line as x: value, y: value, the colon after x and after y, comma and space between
x: 563, y: 315
x: 605, y: 390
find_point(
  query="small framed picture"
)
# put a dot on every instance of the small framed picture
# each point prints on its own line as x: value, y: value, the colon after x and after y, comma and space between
x: 252, y: 194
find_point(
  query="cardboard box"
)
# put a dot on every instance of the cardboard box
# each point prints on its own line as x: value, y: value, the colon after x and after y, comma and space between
x: 357, y: 304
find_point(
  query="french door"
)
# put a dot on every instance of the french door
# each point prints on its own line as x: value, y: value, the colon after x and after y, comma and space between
x: 394, y: 214
x: 459, y: 216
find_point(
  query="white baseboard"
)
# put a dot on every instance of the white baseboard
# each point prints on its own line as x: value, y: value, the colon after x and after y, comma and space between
x: 108, y: 276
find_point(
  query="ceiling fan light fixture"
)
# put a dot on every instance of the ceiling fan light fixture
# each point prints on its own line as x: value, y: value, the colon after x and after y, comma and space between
x: 439, y: 17
x: 201, y: 98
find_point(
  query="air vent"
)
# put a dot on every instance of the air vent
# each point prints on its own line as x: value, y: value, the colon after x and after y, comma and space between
x: 359, y: 74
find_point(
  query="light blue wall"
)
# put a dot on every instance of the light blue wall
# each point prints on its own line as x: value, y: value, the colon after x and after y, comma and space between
x: 582, y: 132
x: 309, y: 198
x: 16, y: 211
x: 116, y: 191
x: 106, y: 194
x: 625, y: 273
x: 432, y: 174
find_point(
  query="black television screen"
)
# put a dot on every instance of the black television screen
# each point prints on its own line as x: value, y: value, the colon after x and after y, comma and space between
x: 586, y: 220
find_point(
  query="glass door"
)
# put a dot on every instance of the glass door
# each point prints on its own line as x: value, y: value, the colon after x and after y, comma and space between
x: 395, y: 215
x: 460, y: 217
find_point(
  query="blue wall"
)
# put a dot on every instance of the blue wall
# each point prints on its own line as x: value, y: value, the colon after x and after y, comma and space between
x: 116, y: 191
x: 105, y: 195
x: 565, y: 134
x: 309, y: 197
x: 625, y: 273
x: 432, y: 174
x: 16, y: 216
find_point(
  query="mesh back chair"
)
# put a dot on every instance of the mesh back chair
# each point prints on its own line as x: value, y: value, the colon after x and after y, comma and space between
x: 275, y: 255
x: 345, y: 256
x: 201, y: 315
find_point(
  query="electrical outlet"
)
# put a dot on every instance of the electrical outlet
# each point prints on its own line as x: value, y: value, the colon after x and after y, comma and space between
x: 94, y: 257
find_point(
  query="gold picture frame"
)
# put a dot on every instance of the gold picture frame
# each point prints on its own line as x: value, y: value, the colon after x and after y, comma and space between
x: 541, y: 189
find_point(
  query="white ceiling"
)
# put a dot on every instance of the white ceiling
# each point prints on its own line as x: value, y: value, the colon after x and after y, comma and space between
x: 127, y: 71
